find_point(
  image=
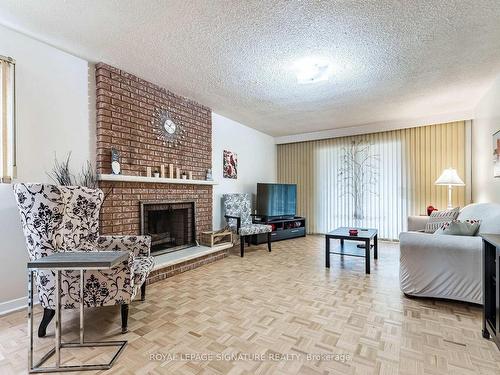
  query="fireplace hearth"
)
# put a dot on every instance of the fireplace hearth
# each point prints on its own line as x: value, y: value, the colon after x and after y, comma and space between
x: 171, y: 225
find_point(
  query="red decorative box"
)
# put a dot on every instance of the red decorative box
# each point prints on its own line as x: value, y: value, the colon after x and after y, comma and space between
x: 353, y: 232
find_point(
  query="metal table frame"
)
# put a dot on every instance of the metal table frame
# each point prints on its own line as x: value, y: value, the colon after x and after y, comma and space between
x: 361, y: 237
x: 37, y: 368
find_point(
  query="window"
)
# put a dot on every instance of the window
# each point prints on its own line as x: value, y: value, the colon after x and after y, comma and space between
x: 378, y: 188
x: 7, y: 120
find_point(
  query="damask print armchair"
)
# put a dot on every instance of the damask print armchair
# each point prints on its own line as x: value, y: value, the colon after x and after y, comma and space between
x: 237, y: 211
x: 65, y: 218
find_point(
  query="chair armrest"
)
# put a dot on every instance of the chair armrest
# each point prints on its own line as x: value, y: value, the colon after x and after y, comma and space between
x: 422, y: 243
x: 417, y: 223
x: 238, y: 221
x: 138, y: 245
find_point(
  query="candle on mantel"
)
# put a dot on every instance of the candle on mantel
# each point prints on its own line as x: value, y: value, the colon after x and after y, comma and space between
x: 148, y: 171
x: 171, y: 170
x: 190, y: 175
x: 162, y: 171
x: 177, y: 173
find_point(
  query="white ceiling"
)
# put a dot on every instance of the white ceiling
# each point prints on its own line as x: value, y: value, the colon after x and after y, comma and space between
x: 393, y: 60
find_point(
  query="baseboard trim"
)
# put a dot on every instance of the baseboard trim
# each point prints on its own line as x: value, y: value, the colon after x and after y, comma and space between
x: 16, y: 304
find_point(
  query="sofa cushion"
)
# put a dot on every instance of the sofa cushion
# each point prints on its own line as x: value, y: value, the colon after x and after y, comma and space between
x: 460, y: 228
x: 487, y: 213
x: 438, y: 218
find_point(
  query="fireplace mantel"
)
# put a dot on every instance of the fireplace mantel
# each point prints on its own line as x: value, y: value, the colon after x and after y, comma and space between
x: 157, y: 180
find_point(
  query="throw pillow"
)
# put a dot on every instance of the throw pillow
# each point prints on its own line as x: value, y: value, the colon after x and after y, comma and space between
x: 438, y: 218
x: 460, y: 228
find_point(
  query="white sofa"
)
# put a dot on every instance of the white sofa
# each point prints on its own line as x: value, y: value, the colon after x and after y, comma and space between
x: 445, y: 266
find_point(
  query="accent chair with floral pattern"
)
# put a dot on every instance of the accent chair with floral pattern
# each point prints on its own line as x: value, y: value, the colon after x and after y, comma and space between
x: 237, y: 211
x: 66, y: 218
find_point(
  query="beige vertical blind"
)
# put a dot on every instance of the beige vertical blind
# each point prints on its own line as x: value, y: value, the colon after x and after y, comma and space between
x: 430, y: 150
x: 409, y: 161
x: 7, y: 119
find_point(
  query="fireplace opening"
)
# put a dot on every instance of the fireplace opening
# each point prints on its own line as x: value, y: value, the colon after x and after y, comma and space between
x: 171, y: 225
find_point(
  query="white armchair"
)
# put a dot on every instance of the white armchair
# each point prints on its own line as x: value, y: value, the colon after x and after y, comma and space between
x: 446, y: 266
x: 65, y: 218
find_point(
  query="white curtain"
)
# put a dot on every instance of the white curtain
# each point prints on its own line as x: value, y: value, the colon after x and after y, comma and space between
x: 384, y: 205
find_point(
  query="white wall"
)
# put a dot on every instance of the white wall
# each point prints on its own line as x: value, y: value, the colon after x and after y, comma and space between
x: 52, y: 116
x: 256, y: 160
x: 485, y: 188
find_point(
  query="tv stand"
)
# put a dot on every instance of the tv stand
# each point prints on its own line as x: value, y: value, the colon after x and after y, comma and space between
x: 283, y: 228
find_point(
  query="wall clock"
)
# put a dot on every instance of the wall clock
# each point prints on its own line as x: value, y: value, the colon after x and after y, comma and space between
x: 167, y: 129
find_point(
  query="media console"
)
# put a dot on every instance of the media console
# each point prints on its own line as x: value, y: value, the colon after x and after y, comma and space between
x: 283, y: 229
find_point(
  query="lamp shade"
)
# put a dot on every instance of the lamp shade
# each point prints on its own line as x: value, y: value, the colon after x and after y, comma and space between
x: 449, y: 177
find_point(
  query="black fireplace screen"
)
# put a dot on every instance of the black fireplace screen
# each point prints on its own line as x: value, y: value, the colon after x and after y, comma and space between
x: 170, y: 225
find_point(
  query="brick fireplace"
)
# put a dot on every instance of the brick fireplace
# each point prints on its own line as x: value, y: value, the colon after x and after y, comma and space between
x: 125, y: 112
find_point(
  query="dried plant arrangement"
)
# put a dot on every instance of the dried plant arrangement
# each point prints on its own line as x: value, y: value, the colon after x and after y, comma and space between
x: 61, y: 173
x: 88, y: 176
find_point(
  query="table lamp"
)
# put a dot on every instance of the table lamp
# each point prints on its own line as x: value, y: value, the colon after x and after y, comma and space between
x: 449, y: 177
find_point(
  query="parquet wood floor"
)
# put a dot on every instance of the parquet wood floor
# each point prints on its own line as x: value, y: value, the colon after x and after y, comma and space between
x: 277, y: 304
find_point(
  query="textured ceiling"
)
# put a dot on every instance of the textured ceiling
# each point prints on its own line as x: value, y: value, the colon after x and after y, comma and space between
x: 393, y: 60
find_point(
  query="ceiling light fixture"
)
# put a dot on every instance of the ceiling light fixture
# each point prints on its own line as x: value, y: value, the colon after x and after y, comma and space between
x: 311, y: 70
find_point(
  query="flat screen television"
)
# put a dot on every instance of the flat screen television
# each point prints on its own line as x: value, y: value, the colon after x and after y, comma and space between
x: 276, y: 200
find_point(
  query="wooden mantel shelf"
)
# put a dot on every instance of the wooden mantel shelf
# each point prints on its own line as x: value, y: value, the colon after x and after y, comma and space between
x: 157, y: 180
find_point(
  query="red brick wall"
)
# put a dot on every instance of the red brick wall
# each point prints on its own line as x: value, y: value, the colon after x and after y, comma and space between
x: 125, y: 112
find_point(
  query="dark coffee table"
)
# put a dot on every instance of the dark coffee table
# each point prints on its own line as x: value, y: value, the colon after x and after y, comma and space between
x: 364, y: 235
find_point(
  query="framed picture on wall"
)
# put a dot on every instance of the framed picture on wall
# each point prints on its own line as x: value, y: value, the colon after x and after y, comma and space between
x: 230, y: 165
x: 496, y: 154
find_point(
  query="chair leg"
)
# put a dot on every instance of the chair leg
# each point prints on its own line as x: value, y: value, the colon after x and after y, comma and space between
x: 124, y: 311
x: 269, y: 241
x: 143, y: 291
x: 48, y: 314
x: 242, y: 246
